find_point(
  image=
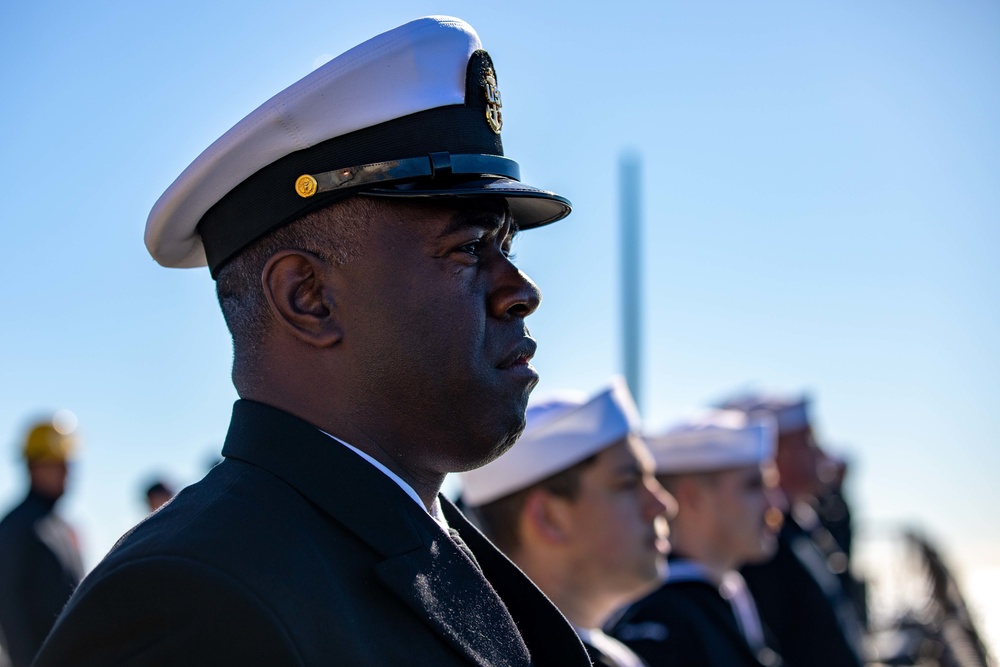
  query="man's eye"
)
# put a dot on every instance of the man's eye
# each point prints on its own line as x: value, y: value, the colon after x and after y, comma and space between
x: 478, y: 248
x: 628, y: 483
x: 474, y: 248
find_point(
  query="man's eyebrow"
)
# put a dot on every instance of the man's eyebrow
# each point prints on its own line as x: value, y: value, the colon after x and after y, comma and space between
x: 630, y: 469
x: 466, y: 219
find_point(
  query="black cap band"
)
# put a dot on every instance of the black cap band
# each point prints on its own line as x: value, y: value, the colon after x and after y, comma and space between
x: 433, y: 166
x: 268, y: 199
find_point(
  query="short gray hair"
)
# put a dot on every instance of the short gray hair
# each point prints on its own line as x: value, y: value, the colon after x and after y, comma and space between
x: 332, y: 233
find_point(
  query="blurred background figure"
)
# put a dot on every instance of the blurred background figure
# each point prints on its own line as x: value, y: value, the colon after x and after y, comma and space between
x: 798, y: 592
x: 831, y: 506
x: 158, y: 493
x: 575, y: 505
x: 717, y: 466
x: 832, y: 530
x: 40, y: 562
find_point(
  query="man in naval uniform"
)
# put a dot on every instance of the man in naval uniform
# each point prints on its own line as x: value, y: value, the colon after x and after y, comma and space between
x: 358, y: 225
x: 798, y: 594
x: 575, y: 506
x: 715, y: 465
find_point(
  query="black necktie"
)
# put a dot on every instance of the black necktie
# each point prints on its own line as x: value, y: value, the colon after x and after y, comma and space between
x: 463, y: 547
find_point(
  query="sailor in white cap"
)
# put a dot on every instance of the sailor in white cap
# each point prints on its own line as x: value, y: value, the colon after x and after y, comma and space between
x: 798, y: 455
x: 717, y: 466
x: 799, y: 596
x: 358, y: 225
x: 574, y: 504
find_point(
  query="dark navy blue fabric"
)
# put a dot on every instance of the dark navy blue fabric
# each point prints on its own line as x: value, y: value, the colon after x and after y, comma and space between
x: 688, y: 624
x: 39, y: 568
x: 295, y: 551
x: 795, y: 608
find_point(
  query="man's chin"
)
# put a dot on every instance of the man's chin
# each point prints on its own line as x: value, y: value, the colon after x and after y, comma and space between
x: 490, y: 454
x: 500, y: 423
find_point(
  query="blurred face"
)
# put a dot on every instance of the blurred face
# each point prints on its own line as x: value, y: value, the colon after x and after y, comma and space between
x: 738, y: 501
x: 48, y: 478
x: 157, y: 499
x: 798, y: 460
x: 435, y: 320
x: 618, y: 528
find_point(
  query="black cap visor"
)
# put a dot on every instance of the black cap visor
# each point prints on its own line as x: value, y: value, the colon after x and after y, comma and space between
x: 530, y: 207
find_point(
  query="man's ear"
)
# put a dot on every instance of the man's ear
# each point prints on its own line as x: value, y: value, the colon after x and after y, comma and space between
x: 548, y: 516
x: 300, y: 292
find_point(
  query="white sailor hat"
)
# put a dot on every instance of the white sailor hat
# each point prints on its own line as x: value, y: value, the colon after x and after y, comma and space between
x: 413, y: 112
x: 790, y: 412
x: 714, y: 440
x: 560, y: 432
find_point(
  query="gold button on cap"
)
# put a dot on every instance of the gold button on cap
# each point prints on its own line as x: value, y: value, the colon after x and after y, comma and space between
x: 305, y: 186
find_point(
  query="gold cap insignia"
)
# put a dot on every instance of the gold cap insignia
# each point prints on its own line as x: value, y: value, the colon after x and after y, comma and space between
x: 493, y: 115
x: 305, y: 186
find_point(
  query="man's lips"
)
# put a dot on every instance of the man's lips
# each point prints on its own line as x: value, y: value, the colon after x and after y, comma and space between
x: 520, y: 354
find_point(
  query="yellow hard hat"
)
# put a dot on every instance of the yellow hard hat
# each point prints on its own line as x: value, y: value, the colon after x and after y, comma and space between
x: 52, y: 440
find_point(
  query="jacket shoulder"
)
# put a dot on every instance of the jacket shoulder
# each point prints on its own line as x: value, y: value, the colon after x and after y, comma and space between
x: 140, y: 612
x: 672, y: 626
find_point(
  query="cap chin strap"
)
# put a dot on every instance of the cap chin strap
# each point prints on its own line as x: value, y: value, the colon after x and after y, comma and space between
x: 434, y: 165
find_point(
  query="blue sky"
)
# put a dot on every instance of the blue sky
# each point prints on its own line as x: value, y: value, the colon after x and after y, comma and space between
x: 820, y: 210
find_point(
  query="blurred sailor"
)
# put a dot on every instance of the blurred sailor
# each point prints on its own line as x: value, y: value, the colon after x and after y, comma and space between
x: 830, y: 526
x: 575, y: 506
x: 716, y: 466
x: 359, y: 227
x: 40, y: 561
x: 798, y: 594
x: 158, y: 493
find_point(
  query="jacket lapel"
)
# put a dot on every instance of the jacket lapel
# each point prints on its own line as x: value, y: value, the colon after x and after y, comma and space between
x: 550, y: 638
x: 444, y: 588
x: 721, y: 616
x: 421, y: 564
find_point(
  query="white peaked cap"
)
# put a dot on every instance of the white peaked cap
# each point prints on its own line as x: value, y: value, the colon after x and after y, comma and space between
x: 390, y: 112
x: 714, y: 440
x: 560, y: 432
x: 790, y: 412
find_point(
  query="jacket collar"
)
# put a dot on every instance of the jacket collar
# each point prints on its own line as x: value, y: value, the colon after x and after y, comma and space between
x: 420, y: 563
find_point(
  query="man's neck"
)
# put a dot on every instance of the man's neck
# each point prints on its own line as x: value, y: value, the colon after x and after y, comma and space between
x: 581, y: 612
x: 582, y: 606
x: 710, y: 561
x: 43, y: 498
x: 433, y: 508
x: 426, y: 484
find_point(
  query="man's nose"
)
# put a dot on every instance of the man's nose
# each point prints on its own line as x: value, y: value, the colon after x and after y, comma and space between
x: 515, y: 293
x: 659, y: 502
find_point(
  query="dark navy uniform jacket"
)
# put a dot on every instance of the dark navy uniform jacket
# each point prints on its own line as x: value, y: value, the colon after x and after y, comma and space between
x: 813, y: 628
x: 689, y: 624
x: 39, y: 568
x: 296, y: 551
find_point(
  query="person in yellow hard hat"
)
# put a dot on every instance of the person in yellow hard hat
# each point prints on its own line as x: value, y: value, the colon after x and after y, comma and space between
x: 40, y: 562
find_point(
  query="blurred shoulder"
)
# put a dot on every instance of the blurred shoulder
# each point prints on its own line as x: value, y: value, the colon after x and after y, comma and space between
x: 661, y: 627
